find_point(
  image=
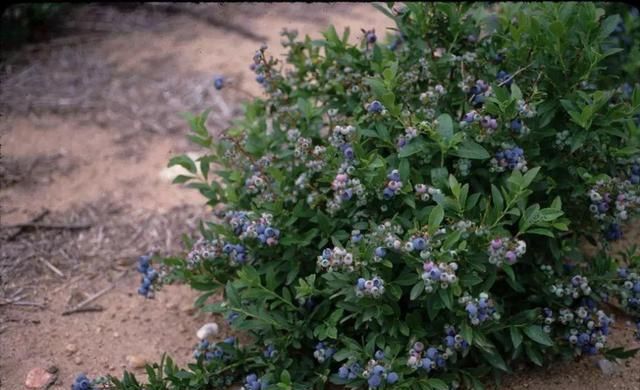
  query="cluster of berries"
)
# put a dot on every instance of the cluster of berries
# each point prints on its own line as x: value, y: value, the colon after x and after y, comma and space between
x: 403, y: 139
x: 270, y: 352
x: 488, y: 125
x: 509, y: 158
x: 323, y: 352
x: 350, y: 371
x: 478, y: 93
x: 252, y: 382
x: 464, y: 166
x: 393, y: 185
x: 210, y: 351
x: 245, y: 227
x: 417, y: 243
x: 612, y: 200
x: 149, y: 275
x: 506, y: 249
x: 453, y: 341
x: 562, y: 140
x: 258, y: 66
x: 524, y: 110
x: 336, y: 259
x: 438, y: 275
x: 577, y: 287
x: 81, y: 382
x: 432, y: 94
x: 376, y: 373
x: 588, y: 327
x: 373, y: 287
x: 627, y: 290
x: 479, y: 309
x: 203, y: 250
x: 425, y: 192
x: 344, y: 188
x: 237, y: 253
x: 428, y: 359
x: 255, y: 183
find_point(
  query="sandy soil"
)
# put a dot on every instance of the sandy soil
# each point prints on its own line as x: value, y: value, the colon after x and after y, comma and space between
x: 89, y: 127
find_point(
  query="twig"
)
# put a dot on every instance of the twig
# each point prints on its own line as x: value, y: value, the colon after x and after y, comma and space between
x: 36, y: 225
x: 26, y: 303
x: 514, y: 75
x: 87, y: 309
x: 82, y: 305
x: 33, y: 220
x: 51, y: 267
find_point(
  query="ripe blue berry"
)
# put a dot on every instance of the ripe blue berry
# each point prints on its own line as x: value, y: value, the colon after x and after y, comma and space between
x: 375, y: 107
x: 218, y: 82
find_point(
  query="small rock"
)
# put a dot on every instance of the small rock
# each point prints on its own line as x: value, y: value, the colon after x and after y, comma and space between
x: 116, y: 335
x: 77, y: 360
x: 71, y: 349
x: 38, y: 378
x: 172, y: 305
x: 607, y: 367
x: 135, y: 361
x: 210, y: 329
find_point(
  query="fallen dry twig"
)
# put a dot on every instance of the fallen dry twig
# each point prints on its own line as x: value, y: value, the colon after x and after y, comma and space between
x: 80, y: 307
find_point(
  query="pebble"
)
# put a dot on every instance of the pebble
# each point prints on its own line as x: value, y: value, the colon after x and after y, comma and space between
x: 136, y: 361
x: 38, y: 378
x: 210, y: 329
x: 77, y: 360
x: 607, y: 367
x: 71, y: 349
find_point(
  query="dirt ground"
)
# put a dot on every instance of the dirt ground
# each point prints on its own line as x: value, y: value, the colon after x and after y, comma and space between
x: 89, y: 122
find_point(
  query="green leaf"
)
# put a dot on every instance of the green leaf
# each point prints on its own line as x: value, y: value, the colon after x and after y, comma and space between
x: 417, y: 290
x: 184, y: 161
x: 471, y: 150
x: 516, y: 336
x: 445, y: 126
x: 535, y: 333
x: 437, y: 384
x: 436, y: 217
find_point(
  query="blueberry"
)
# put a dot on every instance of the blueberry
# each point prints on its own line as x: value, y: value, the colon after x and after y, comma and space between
x: 392, y: 378
x: 379, y: 355
x: 343, y: 372
x: 380, y: 251
x: 374, y: 381
x: 378, y: 370
x: 635, y: 179
x: 471, y: 309
x: 348, y: 153
x: 218, y: 82
x: 388, y: 193
x: 432, y: 353
x: 375, y: 107
x: 516, y: 125
x: 419, y: 243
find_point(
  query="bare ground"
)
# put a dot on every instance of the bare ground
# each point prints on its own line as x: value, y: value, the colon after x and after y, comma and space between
x: 90, y: 120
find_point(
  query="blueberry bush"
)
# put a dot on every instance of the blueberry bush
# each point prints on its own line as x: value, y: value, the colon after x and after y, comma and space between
x: 423, y: 211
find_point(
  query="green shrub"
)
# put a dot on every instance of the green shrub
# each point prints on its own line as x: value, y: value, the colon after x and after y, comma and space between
x: 409, y: 215
x: 23, y: 23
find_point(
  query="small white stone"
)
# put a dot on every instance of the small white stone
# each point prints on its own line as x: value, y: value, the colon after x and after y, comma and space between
x: 210, y: 329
